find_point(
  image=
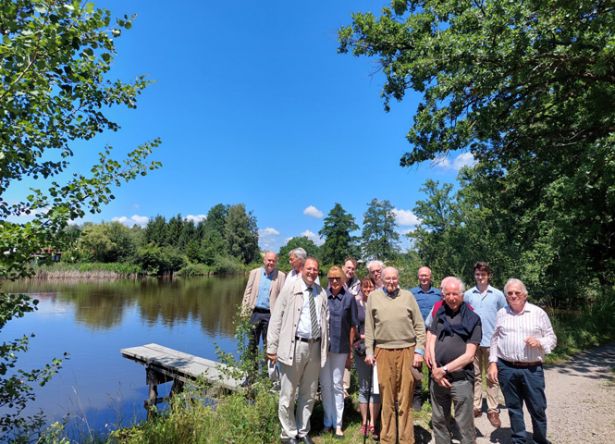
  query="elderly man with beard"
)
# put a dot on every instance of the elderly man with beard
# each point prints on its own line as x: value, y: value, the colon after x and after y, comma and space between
x: 395, y: 340
x: 298, y: 339
x: 455, y: 333
x: 522, y: 337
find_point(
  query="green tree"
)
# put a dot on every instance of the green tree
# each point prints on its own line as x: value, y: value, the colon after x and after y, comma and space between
x: 55, y: 89
x: 379, y: 240
x: 106, y: 242
x: 529, y: 89
x: 156, y: 231
x: 241, y: 234
x: 339, y: 243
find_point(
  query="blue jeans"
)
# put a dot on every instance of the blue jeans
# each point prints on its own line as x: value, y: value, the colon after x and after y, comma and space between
x: 527, y: 385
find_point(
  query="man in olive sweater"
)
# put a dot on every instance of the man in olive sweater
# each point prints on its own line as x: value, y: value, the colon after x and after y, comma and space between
x: 395, y: 339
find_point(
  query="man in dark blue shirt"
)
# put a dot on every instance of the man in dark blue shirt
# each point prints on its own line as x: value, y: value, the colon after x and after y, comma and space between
x: 426, y: 296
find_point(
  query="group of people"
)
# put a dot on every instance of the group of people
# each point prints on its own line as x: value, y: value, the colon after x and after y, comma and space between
x: 388, y: 333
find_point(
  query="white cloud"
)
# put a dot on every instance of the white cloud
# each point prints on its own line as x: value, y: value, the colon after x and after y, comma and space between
x: 312, y: 236
x: 460, y: 161
x: 269, y: 231
x: 196, y: 218
x: 313, y: 211
x: 135, y: 219
x: 405, y: 217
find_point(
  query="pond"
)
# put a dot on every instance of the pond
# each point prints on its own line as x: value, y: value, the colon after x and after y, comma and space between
x: 97, y: 389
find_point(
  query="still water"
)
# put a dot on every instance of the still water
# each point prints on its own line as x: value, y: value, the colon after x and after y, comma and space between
x: 97, y: 388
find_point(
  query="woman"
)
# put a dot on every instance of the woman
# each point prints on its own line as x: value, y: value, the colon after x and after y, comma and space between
x: 342, y: 327
x: 364, y: 371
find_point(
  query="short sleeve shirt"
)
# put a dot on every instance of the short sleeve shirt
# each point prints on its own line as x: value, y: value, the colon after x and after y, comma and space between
x: 342, y: 316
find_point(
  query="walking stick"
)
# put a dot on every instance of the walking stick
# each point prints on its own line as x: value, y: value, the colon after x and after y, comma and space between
x: 396, y: 422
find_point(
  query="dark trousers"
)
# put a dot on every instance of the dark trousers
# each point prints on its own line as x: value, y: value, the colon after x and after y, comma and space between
x: 527, y: 385
x: 259, y: 322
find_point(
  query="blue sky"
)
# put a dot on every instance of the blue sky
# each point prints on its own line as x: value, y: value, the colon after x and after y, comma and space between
x: 254, y: 105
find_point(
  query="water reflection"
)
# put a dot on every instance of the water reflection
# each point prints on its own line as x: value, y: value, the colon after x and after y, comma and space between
x: 92, y: 321
x: 102, y: 305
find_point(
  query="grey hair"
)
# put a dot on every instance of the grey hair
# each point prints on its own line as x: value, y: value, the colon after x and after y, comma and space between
x: 452, y: 280
x: 513, y: 281
x: 370, y: 264
x: 299, y: 253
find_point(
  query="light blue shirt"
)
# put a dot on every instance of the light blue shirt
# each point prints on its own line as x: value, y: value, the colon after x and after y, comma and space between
x: 304, y: 329
x: 486, y: 306
x: 264, y: 288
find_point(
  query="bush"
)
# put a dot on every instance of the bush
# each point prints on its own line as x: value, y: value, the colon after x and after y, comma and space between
x: 227, y: 265
x: 193, y: 270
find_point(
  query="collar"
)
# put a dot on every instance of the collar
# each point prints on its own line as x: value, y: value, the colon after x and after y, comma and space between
x: 391, y: 295
x: 339, y: 295
x: 265, y: 272
x: 488, y: 290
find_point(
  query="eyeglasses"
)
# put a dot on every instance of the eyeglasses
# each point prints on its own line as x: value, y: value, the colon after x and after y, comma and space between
x: 334, y: 278
x: 514, y: 293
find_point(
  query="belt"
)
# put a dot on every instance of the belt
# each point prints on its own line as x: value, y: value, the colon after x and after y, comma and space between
x: 261, y: 310
x: 521, y: 364
x: 309, y: 341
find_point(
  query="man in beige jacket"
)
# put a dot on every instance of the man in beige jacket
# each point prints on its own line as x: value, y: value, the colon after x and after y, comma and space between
x: 298, y: 340
x: 259, y: 298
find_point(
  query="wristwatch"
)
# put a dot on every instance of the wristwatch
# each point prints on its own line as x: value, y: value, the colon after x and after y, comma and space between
x: 445, y: 370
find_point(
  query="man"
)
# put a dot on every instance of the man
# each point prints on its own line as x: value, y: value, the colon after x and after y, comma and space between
x: 375, y: 273
x: 296, y: 258
x: 486, y: 301
x: 395, y: 339
x: 262, y: 290
x: 343, y: 321
x: 523, y: 336
x: 454, y: 337
x: 298, y: 339
x: 426, y: 296
x: 352, y: 283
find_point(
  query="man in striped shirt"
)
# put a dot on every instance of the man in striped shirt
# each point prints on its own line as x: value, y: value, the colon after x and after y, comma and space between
x: 523, y: 336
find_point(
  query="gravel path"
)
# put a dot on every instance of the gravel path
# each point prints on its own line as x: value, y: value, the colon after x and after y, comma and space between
x: 580, y: 398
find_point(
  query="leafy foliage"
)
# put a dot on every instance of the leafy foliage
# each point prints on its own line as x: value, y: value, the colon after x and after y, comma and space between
x: 54, y: 90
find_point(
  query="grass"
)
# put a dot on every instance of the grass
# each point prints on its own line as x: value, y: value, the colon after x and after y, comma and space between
x: 66, y: 269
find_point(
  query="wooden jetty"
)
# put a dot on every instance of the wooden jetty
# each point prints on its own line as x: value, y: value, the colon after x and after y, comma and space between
x: 163, y: 364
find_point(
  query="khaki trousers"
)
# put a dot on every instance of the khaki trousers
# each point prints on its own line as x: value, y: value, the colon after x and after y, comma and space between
x: 481, y: 363
x: 396, y: 383
x: 299, y: 381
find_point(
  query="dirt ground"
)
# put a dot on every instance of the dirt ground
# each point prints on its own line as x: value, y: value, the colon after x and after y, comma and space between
x: 580, y: 402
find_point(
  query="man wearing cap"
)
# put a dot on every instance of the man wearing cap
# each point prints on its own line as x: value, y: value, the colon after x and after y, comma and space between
x: 298, y: 339
x: 262, y: 290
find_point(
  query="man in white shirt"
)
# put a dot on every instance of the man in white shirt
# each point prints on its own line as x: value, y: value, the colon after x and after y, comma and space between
x: 523, y: 336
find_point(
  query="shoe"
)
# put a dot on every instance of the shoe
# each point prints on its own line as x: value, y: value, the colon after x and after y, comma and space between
x: 364, y: 430
x: 305, y: 439
x: 478, y: 413
x: 375, y: 434
x: 289, y: 441
x: 339, y: 434
x: 326, y: 431
x: 494, y: 419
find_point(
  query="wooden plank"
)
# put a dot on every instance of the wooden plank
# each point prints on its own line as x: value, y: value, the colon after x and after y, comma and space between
x: 180, y: 365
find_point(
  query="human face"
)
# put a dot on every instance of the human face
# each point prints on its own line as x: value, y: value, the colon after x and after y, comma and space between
x: 336, y: 283
x: 481, y: 278
x: 391, y: 281
x: 376, y: 274
x: 515, y: 297
x: 425, y: 277
x: 349, y: 270
x: 270, y: 261
x: 453, y: 296
x: 295, y: 261
x: 310, y: 272
x: 366, y: 288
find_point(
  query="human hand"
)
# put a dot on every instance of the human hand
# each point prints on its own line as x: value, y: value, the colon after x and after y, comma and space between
x: 492, y: 373
x: 418, y: 360
x: 370, y: 360
x: 273, y: 357
x: 532, y: 342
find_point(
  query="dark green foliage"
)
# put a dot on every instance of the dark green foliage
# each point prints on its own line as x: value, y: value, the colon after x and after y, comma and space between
x: 379, y: 239
x: 297, y: 242
x: 339, y: 243
x: 529, y: 89
x: 241, y: 234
